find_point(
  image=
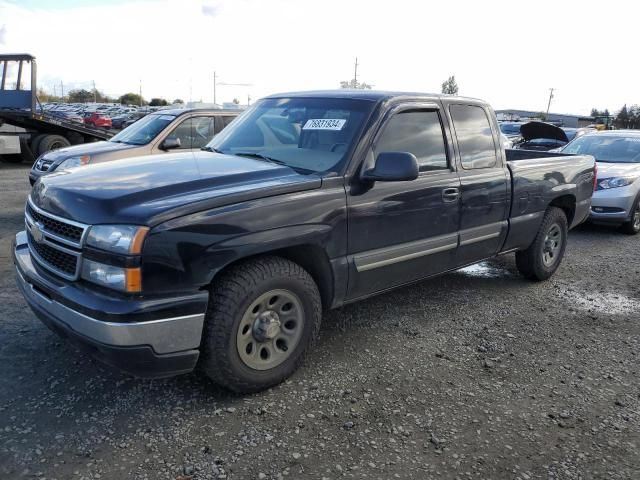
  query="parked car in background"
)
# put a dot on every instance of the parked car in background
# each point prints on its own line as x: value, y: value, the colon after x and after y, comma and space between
x: 133, y: 119
x: 616, y: 200
x: 572, y: 133
x: 70, y: 115
x: 541, y: 136
x: 119, y: 120
x: 177, y: 130
x: 98, y: 120
x: 511, y: 130
x: 228, y: 257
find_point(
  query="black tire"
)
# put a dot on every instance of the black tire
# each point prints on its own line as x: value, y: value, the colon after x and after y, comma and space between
x: 632, y: 227
x: 35, y: 143
x: 52, y: 142
x: 231, y: 296
x: 543, y: 257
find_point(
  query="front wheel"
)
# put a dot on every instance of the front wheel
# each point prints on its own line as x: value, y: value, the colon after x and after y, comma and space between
x: 632, y: 227
x: 544, y: 255
x: 263, y: 315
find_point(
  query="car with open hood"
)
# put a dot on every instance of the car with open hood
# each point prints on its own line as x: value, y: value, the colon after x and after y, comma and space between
x: 541, y: 136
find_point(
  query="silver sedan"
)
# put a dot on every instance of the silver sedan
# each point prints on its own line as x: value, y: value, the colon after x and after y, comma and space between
x: 617, y: 197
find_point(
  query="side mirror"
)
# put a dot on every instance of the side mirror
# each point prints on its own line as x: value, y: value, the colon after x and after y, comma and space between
x: 170, y: 143
x: 393, y: 167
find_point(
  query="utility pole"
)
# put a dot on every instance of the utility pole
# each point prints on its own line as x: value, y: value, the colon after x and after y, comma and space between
x: 95, y: 92
x: 248, y: 100
x: 140, y: 94
x: 355, y: 74
x: 55, y: 93
x: 549, y: 104
x: 62, y: 90
x: 215, y: 81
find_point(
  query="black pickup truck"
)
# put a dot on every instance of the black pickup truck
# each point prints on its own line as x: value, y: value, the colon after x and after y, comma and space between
x: 226, y: 258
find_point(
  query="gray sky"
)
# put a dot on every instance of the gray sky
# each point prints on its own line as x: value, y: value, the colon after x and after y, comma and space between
x: 507, y: 52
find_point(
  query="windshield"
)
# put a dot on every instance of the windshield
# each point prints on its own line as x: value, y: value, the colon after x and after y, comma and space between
x: 144, y: 130
x: 307, y: 134
x: 510, y: 128
x: 607, y: 148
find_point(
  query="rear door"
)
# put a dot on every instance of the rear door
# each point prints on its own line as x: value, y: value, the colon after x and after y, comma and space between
x: 400, y: 232
x: 483, y: 183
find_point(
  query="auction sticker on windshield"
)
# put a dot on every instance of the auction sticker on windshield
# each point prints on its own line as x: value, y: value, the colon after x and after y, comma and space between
x: 324, y: 124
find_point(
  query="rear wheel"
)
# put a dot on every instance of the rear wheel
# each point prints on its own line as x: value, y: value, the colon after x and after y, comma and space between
x: 544, y: 255
x: 632, y: 227
x: 35, y: 143
x: 263, y: 315
x: 52, y: 142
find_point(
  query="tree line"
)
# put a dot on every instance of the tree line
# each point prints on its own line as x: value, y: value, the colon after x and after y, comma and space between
x: 89, y: 96
x: 627, y: 117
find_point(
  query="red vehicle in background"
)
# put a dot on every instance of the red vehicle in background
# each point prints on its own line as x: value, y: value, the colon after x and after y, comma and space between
x: 98, y: 120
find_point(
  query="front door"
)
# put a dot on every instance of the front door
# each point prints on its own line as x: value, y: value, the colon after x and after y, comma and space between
x: 404, y: 231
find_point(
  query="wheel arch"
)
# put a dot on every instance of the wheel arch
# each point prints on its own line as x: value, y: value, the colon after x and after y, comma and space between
x: 312, y: 257
x: 567, y: 203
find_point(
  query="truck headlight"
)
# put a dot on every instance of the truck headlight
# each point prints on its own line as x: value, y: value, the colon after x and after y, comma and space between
x: 122, y: 239
x: 75, y: 161
x: 615, y: 182
x: 124, y: 279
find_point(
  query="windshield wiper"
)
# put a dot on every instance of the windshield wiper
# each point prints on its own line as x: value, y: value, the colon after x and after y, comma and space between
x: 211, y: 149
x: 260, y: 156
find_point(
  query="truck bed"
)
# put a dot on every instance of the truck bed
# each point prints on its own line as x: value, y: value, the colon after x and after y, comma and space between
x: 539, y: 179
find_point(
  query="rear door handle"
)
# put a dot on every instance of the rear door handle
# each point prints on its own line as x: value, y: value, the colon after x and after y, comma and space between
x: 450, y: 194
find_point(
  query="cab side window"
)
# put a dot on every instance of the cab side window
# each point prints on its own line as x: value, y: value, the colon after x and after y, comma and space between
x: 194, y: 132
x: 418, y: 132
x: 475, y: 138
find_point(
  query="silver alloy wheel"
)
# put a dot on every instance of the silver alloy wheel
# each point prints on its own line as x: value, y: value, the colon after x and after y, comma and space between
x: 552, y: 245
x: 270, y: 329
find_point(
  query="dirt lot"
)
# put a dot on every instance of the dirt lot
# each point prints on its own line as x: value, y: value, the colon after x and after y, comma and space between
x: 477, y: 374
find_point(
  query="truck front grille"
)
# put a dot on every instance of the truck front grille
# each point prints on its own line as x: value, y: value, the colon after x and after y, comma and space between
x: 55, y: 243
x: 66, y: 230
x: 54, y: 259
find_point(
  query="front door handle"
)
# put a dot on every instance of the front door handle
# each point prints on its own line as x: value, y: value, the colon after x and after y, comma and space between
x: 450, y: 194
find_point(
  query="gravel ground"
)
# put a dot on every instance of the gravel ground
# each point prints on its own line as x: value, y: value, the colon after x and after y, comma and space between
x: 477, y: 374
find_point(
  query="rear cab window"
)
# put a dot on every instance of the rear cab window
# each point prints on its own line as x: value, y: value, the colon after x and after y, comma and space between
x: 474, y: 135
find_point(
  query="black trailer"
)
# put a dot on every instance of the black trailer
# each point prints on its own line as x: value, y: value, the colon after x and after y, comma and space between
x: 27, y: 131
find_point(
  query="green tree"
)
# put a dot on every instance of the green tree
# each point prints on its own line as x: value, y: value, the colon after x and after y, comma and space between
x: 622, y: 118
x: 158, y: 102
x: 131, y: 99
x: 81, y: 96
x: 449, y: 86
x: 45, y: 97
x: 179, y: 100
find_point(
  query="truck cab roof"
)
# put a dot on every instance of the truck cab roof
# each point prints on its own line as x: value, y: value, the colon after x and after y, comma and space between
x: 371, y: 95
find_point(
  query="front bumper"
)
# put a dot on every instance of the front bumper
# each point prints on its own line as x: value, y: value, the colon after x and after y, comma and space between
x: 613, y: 205
x: 146, y: 338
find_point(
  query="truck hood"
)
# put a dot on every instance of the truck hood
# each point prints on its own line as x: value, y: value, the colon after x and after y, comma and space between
x: 532, y: 130
x: 608, y: 170
x: 87, y: 149
x: 152, y: 189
